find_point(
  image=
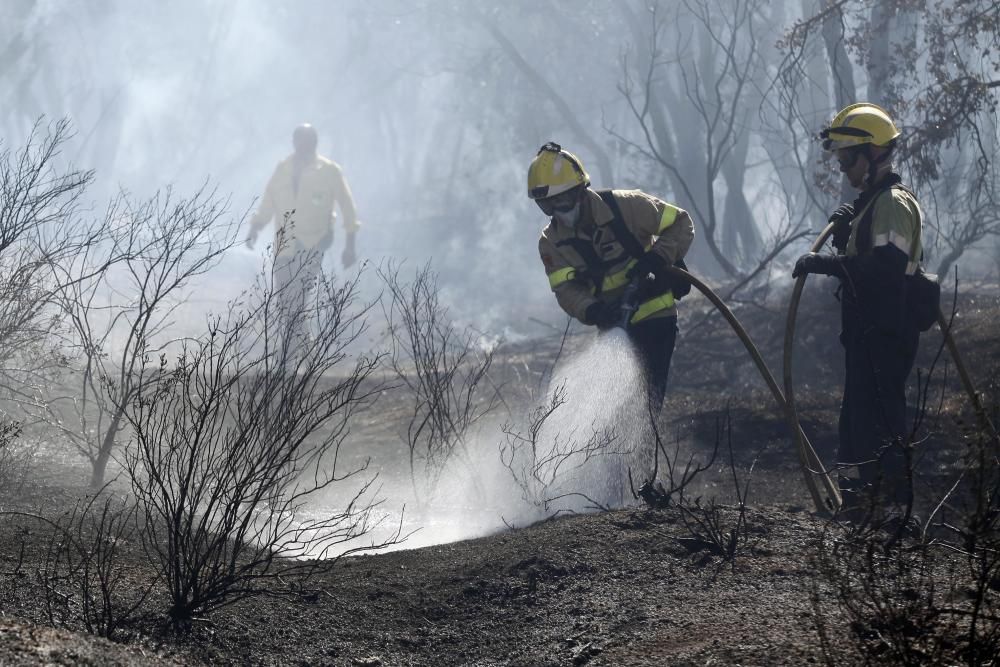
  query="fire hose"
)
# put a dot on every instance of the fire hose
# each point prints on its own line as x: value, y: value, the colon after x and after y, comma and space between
x: 815, y: 467
x: 824, y: 491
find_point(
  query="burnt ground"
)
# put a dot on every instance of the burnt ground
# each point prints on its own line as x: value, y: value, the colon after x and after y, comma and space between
x: 635, y: 586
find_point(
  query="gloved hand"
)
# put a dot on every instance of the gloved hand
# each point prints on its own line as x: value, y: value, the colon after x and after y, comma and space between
x: 842, y: 218
x: 604, y: 315
x: 648, y: 263
x: 813, y: 262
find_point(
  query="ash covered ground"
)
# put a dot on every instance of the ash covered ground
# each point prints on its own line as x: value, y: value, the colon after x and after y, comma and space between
x: 631, y: 586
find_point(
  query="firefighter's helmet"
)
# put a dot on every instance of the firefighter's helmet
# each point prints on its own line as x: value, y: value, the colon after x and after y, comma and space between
x: 860, y: 124
x: 554, y: 171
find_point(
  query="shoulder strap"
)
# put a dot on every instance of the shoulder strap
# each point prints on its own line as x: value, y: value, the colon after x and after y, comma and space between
x: 863, y: 242
x: 624, y: 236
x: 594, y: 273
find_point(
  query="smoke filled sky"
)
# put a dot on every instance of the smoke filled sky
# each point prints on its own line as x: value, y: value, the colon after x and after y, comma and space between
x: 403, y: 95
x: 434, y: 109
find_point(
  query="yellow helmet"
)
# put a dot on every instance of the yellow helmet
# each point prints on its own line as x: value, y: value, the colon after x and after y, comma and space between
x: 554, y: 171
x: 859, y: 124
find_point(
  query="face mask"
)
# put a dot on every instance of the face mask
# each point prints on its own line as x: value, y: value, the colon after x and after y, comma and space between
x: 569, y: 217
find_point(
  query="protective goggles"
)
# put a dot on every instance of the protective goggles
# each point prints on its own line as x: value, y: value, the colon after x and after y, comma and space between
x: 833, y: 137
x: 560, y: 203
x: 848, y: 157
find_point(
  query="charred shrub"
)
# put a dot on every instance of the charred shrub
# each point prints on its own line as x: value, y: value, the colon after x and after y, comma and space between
x: 445, y: 368
x: 546, y: 464
x: 88, y: 578
x: 235, y: 435
x: 708, y: 527
x: 930, y: 595
x: 904, y: 604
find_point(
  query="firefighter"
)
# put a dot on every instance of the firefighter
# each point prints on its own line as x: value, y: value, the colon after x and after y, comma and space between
x: 598, y: 243
x: 878, y: 244
x: 301, y: 196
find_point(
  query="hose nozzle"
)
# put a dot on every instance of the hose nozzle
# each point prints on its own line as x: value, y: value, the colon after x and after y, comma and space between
x: 630, y: 303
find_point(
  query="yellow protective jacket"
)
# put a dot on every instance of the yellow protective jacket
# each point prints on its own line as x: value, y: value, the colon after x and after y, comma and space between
x: 570, y: 254
x: 304, y: 214
x: 884, y: 247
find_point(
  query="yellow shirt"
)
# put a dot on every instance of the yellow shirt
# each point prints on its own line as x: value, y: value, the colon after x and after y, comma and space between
x: 304, y: 206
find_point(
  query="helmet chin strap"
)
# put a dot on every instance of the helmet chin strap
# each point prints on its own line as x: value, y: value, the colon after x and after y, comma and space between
x: 877, y: 166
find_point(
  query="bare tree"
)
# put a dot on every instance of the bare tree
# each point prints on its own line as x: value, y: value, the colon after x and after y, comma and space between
x: 544, y: 88
x: 957, y: 224
x: 704, y: 141
x: 234, y: 437
x: 14, y: 457
x: 38, y: 229
x: 39, y: 198
x: 934, y: 67
x: 118, y: 298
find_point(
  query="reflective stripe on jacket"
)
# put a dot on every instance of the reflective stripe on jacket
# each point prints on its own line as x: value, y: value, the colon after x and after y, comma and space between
x: 305, y: 214
x: 896, y: 221
x: 884, y: 247
x: 587, y: 263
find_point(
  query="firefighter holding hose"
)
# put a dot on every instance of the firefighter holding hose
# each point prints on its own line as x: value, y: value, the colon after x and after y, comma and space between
x: 878, y: 244
x: 605, y: 252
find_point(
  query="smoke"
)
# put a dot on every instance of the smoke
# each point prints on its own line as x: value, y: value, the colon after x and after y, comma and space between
x: 431, y: 124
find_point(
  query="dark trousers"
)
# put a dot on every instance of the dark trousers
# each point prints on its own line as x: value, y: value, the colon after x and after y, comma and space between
x: 654, y: 340
x: 873, y: 423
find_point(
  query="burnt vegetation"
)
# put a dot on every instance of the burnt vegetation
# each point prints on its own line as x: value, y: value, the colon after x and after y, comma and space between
x: 243, y: 484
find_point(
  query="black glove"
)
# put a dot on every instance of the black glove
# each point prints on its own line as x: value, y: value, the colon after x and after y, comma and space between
x: 813, y: 262
x: 604, y: 315
x: 648, y: 263
x: 842, y: 218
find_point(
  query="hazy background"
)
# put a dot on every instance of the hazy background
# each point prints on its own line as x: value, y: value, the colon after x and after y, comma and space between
x: 434, y: 108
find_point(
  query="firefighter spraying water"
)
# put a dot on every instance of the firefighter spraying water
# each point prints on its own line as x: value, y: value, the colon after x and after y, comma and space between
x: 605, y: 254
x: 600, y: 245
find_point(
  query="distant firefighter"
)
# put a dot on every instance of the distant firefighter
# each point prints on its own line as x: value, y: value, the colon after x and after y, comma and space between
x: 301, y: 196
x: 605, y: 253
x: 302, y: 193
x: 878, y: 244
